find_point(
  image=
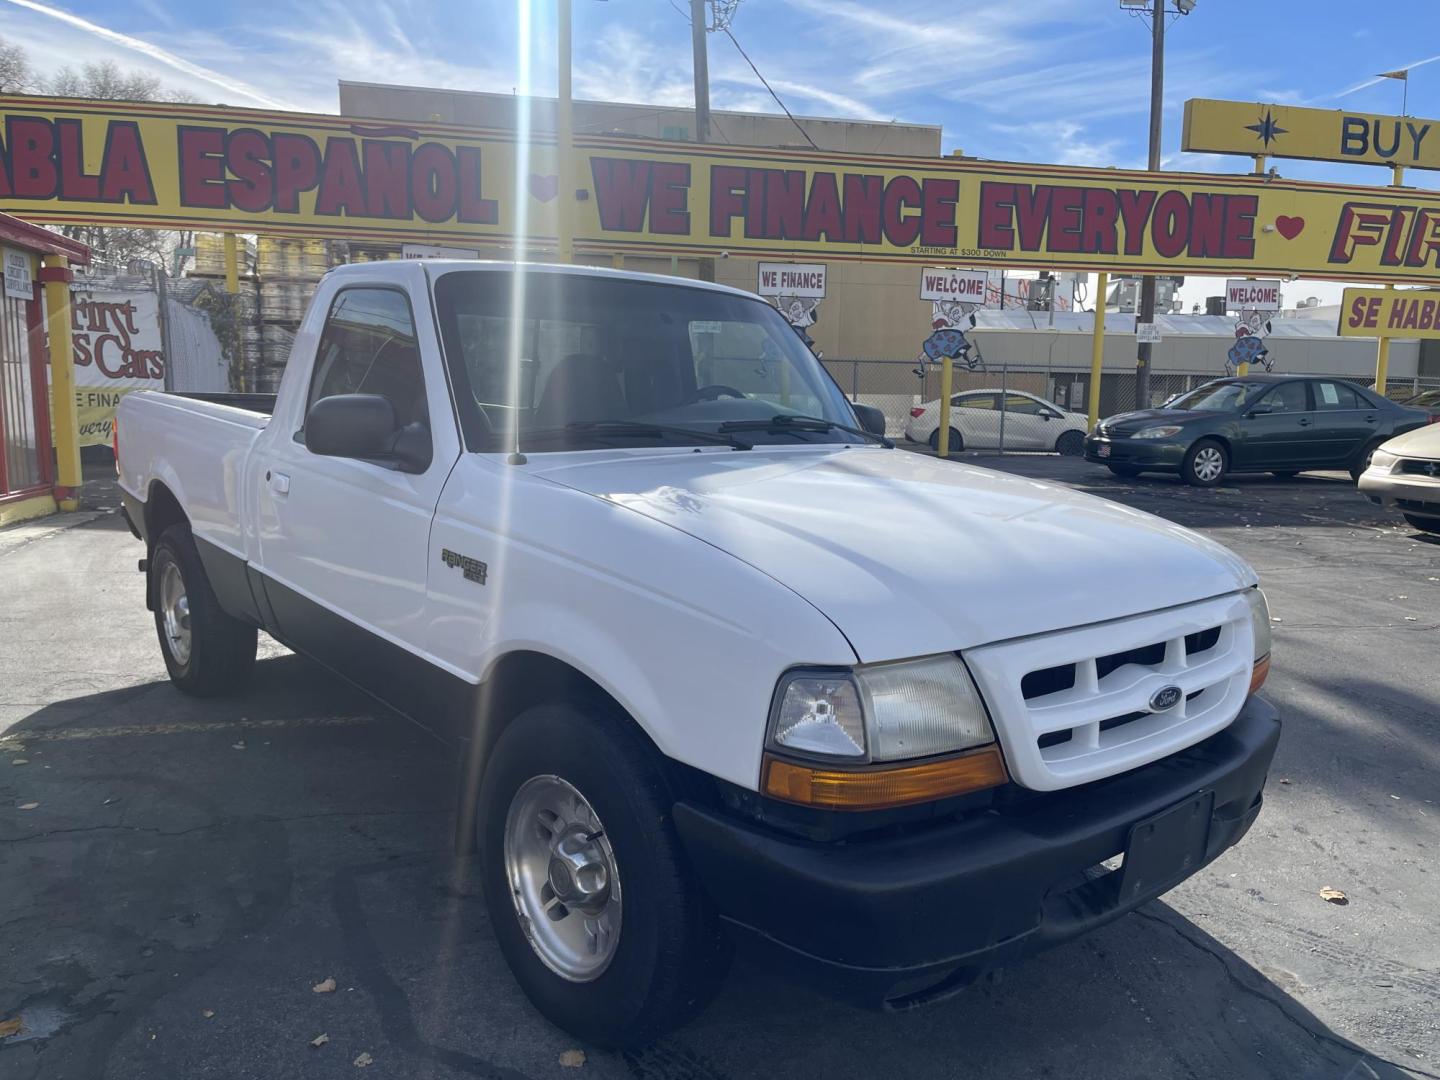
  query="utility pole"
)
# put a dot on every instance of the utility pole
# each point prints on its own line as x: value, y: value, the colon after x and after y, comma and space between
x: 1157, y: 112
x: 702, y: 96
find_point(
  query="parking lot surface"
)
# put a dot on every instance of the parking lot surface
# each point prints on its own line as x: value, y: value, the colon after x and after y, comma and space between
x: 178, y: 876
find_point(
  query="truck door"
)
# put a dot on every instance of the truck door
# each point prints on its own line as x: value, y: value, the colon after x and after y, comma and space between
x: 343, y: 541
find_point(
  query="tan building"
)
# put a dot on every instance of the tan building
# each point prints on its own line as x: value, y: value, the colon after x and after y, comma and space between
x: 870, y: 309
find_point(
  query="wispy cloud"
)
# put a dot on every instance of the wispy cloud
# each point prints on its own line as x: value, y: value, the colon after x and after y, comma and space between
x: 154, y: 52
x: 1378, y: 79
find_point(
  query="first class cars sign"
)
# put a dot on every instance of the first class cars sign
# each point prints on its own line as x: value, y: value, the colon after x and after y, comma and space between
x: 166, y: 165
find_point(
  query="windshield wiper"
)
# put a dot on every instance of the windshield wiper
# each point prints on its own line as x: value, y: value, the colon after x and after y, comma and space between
x: 800, y: 422
x: 637, y: 428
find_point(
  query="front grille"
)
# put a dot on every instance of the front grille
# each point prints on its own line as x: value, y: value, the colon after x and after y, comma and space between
x: 1075, y: 706
x: 1419, y: 506
x: 1420, y: 468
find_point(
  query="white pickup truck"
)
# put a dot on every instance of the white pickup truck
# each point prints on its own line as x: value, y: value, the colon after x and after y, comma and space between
x: 722, y: 666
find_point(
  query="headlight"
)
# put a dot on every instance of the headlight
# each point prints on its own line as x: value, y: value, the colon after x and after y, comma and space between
x: 880, y: 712
x: 1382, y: 460
x: 1162, y: 432
x: 1260, y: 624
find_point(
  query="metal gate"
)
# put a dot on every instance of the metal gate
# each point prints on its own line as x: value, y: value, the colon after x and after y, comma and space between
x: 26, y: 466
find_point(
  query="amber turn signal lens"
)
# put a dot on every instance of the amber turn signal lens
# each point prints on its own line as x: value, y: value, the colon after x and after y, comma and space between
x: 1259, y: 672
x: 877, y: 789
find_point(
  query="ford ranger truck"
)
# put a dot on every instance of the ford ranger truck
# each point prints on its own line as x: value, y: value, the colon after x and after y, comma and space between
x: 722, y: 668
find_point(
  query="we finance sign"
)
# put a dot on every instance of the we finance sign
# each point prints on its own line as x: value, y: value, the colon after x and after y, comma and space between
x: 157, y: 165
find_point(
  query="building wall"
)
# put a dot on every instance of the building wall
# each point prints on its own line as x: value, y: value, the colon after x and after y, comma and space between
x: 871, y: 309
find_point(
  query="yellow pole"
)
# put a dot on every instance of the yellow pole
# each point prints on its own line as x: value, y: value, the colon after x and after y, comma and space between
x: 1097, y: 347
x: 232, y: 263
x: 1259, y: 164
x: 56, y: 276
x: 617, y: 260
x: 1382, y: 350
x: 565, y: 139
x: 947, y: 375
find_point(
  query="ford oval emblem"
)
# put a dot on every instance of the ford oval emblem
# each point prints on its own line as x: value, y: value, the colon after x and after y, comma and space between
x: 1167, y: 697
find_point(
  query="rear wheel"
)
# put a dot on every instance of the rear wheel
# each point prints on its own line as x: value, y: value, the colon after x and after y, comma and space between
x: 1127, y: 471
x: 1424, y: 524
x: 206, y: 651
x: 956, y: 441
x: 1070, y: 444
x: 593, y: 904
x: 1205, y: 464
x: 1362, y: 462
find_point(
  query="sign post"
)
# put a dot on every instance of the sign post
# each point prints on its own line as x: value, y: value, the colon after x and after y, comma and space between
x: 1097, y: 347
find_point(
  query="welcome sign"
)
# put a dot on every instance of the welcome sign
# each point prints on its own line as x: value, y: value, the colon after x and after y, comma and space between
x: 202, y: 167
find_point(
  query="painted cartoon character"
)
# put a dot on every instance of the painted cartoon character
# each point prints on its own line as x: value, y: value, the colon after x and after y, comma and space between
x: 1249, y: 348
x: 947, y: 338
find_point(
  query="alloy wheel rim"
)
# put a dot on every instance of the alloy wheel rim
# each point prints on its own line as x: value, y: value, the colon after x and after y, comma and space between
x: 1207, y: 463
x: 563, y: 878
x: 175, y: 613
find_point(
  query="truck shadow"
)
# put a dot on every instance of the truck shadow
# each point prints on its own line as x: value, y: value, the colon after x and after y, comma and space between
x: 231, y: 853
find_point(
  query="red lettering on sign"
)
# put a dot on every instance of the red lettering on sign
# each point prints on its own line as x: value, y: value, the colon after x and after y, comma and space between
x: 1066, y: 206
x: 341, y: 190
x: 997, y: 214
x: 297, y: 169
x: 473, y: 209
x: 622, y: 188
x: 124, y: 171
x: 901, y: 193
x: 862, y: 208
x: 937, y: 217
x: 247, y: 156
x: 784, y: 203
x: 1424, y: 238
x: 32, y: 162
x: 432, y: 182
x: 1359, y: 224
x: 670, y: 198
x: 387, y: 178
x: 1170, y: 225
x: 75, y: 183
x: 202, y: 167
x: 1032, y: 209
x: 1135, y: 207
x: 728, y: 196
x: 822, y: 210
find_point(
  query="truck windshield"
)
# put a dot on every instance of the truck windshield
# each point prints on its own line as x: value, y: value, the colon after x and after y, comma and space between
x: 581, y: 361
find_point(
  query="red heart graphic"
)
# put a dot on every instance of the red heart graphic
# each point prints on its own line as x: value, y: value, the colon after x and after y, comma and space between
x: 543, y: 188
x: 1289, y: 227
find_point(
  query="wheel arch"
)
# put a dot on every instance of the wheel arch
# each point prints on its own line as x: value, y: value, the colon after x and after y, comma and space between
x: 162, y: 510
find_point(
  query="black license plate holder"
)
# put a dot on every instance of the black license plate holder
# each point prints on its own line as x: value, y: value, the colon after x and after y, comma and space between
x: 1166, y: 847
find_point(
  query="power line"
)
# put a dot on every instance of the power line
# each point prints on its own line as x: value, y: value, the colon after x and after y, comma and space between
x: 768, y: 87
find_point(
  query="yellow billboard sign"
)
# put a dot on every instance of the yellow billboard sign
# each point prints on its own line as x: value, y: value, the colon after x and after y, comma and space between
x: 1390, y: 313
x: 204, y: 167
x: 1289, y: 131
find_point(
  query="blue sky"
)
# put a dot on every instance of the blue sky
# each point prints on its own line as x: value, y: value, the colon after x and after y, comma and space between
x: 1032, y: 80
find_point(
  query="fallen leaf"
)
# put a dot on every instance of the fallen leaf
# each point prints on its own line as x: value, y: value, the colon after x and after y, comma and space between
x: 19, y: 761
x: 207, y: 1013
x: 1284, y: 780
x: 1334, y: 896
x: 28, y: 805
x: 1410, y: 618
x: 326, y: 987
x: 238, y: 746
x: 10, y: 1027
x: 1395, y: 797
x: 364, y: 1059
x: 572, y: 1059
x: 320, y: 1040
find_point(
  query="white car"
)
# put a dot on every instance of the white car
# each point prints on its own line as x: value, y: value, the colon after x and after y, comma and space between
x: 1404, y: 473
x: 1031, y: 423
x: 622, y: 542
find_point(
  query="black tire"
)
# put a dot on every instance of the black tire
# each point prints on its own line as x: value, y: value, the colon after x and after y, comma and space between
x: 1194, y: 470
x: 670, y: 954
x: 957, y: 441
x: 1362, y: 460
x: 1129, y: 472
x: 1285, y: 474
x: 221, y: 649
x: 1070, y: 444
x: 1424, y: 524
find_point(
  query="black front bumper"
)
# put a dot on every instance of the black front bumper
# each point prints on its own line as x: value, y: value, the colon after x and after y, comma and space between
x: 1155, y: 454
x: 908, y: 918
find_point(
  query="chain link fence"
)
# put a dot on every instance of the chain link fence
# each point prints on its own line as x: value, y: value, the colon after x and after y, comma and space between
x: 897, y: 386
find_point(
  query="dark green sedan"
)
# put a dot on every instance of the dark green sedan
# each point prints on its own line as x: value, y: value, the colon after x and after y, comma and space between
x: 1283, y: 424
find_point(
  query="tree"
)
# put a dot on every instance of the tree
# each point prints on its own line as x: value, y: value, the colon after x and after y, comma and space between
x: 15, y: 74
x: 106, y: 81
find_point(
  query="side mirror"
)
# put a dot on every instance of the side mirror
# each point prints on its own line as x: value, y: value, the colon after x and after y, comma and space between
x: 364, y: 426
x: 871, y: 419
x: 1261, y: 409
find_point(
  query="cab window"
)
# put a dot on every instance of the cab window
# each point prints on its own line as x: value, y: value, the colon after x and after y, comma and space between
x: 1336, y: 395
x: 368, y: 347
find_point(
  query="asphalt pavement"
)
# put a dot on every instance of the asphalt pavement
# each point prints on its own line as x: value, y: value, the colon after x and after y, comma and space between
x: 177, y: 876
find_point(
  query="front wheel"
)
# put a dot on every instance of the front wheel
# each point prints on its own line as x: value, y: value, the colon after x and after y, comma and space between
x: 1424, y: 524
x: 1070, y: 444
x: 593, y: 904
x: 207, y: 652
x: 1205, y: 464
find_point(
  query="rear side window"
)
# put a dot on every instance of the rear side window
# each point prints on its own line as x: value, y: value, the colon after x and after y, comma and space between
x: 1336, y: 395
x: 1287, y: 397
x: 368, y: 347
x: 974, y: 401
x: 1026, y: 406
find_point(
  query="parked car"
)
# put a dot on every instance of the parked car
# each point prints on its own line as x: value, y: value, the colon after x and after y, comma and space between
x: 1429, y: 400
x: 622, y: 541
x: 1405, y: 473
x: 1031, y: 423
x: 1282, y: 424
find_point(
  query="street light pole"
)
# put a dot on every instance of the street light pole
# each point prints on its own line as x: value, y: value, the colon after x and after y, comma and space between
x: 1157, y: 112
x: 700, y: 50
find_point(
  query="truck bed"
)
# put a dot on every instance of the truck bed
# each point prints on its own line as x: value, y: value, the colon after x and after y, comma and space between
x: 259, y: 403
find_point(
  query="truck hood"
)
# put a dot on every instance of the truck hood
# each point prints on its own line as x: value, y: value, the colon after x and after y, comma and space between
x: 908, y: 555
